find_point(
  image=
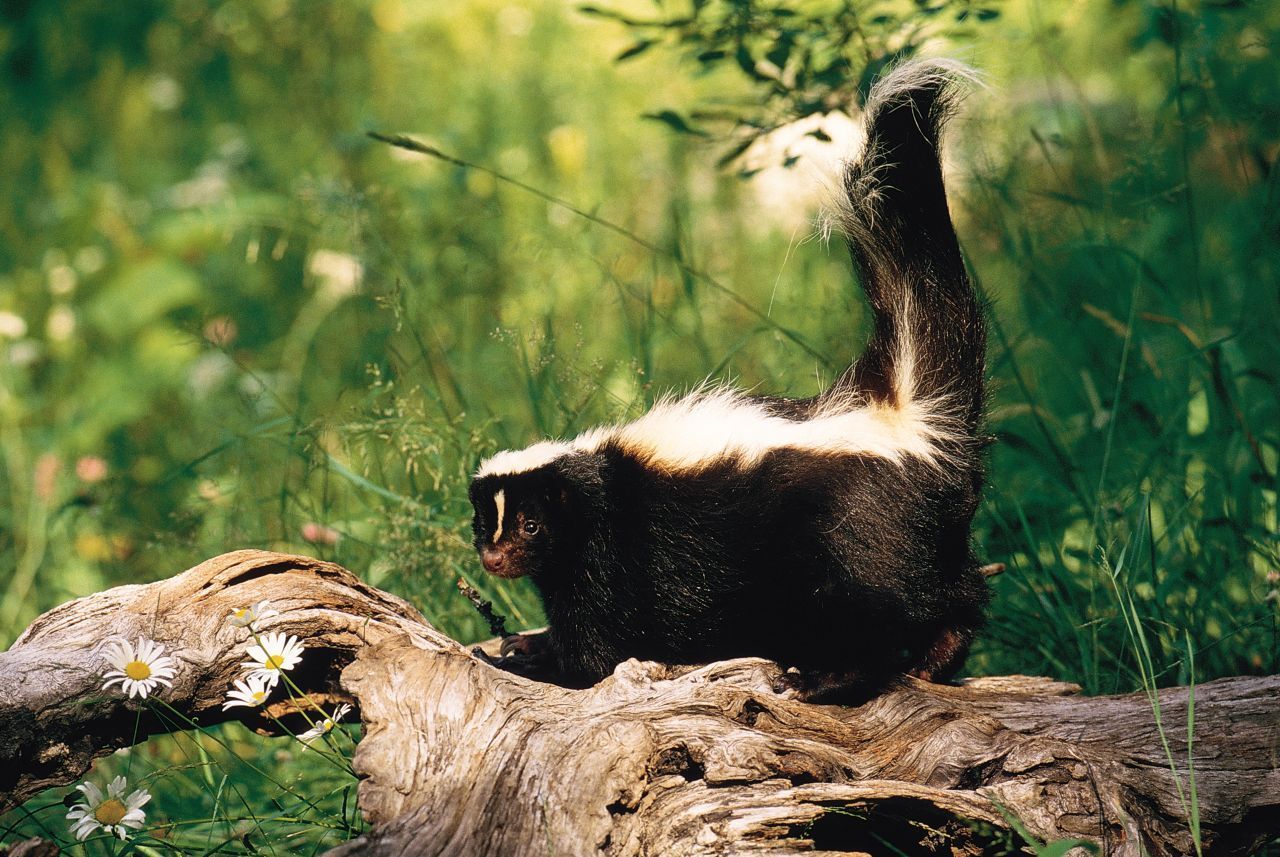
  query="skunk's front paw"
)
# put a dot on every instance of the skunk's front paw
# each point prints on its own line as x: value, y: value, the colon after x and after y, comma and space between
x: 526, y: 645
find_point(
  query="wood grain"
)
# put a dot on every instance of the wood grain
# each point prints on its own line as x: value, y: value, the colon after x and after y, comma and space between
x: 462, y: 758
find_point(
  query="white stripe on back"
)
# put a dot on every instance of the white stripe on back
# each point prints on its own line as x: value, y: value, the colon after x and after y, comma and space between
x: 706, y: 427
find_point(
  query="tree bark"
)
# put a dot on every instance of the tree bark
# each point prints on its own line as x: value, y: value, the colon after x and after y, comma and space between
x: 460, y: 757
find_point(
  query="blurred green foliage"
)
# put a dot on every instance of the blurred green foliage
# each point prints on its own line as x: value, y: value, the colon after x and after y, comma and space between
x: 229, y: 318
x: 802, y: 58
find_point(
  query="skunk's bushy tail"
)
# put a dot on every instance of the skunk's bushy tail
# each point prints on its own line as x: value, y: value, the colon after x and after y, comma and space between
x: 928, y: 344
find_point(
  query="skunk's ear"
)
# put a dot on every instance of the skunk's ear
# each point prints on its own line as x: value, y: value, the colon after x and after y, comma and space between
x: 581, y: 478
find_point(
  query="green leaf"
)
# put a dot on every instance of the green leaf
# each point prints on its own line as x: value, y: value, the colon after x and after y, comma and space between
x: 747, y: 63
x: 142, y: 293
x: 599, y: 12
x: 736, y: 150
x: 676, y: 122
x: 781, y: 51
x: 835, y: 74
x: 635, y: 50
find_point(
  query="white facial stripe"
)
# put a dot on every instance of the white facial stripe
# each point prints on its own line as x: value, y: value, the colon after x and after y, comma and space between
x: 689, y: 433
x: 500, y: 501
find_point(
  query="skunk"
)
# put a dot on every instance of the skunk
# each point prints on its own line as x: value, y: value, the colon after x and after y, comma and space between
x: 830, y: 534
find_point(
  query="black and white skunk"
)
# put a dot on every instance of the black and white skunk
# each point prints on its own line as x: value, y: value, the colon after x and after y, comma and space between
x: 830, y: 534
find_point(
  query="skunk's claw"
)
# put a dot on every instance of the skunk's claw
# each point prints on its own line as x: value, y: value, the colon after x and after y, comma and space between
x: 528, y: 645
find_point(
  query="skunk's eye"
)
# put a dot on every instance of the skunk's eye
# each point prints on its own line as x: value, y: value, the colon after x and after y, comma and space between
x: 531, y: 528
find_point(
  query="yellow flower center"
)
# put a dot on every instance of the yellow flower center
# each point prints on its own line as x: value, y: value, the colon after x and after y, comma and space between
x: 273, y: 662
x: 138, y: 671
x: 241, y: 613
x: 259, y: 695
x: 110, y: 811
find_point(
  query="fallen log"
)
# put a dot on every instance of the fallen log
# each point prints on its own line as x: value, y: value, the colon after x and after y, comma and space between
x: 55, y: 718
x: 460, y: 757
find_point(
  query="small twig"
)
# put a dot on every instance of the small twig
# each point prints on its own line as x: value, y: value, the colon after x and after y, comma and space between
x: 497, y: 622
x: 992, y: 569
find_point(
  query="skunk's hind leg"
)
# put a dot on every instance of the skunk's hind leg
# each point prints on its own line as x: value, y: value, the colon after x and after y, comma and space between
x: 945, y: 655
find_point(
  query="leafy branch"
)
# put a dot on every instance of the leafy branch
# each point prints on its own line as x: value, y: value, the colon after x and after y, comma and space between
x: 801, y: 58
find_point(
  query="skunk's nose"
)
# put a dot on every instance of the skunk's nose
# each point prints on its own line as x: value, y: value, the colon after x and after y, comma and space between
x: 493, y: 559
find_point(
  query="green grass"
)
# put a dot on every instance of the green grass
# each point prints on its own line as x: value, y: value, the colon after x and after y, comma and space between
x: 178, y: 170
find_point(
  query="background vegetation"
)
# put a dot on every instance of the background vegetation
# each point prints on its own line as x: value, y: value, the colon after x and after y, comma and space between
x: 228, y: 318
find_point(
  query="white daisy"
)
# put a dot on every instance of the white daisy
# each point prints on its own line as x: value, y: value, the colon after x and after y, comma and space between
x: 246, y: 617
x: 273, y: 654
x: 250, y: 693
x: 112, y: 812
x: 325, y: 726
x: 138, y: 672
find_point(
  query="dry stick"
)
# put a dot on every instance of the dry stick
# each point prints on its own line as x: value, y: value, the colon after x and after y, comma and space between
x: 497, y: 622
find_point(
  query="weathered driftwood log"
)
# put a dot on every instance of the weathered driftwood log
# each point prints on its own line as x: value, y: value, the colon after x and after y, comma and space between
x: 55, y: 718
x: 462, y: 758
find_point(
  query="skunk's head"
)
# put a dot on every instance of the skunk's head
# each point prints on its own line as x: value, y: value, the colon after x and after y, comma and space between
x: 533, y: 521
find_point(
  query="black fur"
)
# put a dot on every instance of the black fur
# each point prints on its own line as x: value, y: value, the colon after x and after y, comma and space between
x: 852, y: 568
